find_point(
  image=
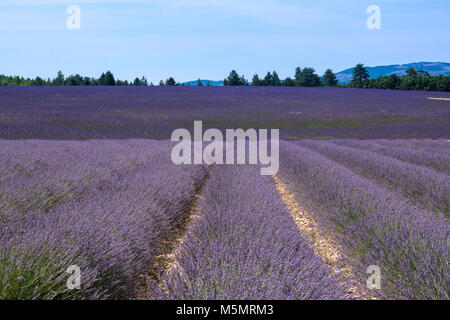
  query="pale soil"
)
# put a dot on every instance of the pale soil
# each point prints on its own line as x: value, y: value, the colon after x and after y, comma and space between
x: 324, y: 245
x: 170, y: 246
x: 443, y: 99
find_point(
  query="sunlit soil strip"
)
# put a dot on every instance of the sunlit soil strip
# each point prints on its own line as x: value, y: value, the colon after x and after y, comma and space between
x: 171, y: 245
x: 323, y: 245
x: 443, y: 99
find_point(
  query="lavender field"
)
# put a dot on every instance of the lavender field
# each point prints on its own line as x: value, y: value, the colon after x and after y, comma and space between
x: 74, y: 113
x: 86, y: 179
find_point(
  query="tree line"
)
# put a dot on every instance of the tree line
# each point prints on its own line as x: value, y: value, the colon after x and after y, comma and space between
x: 412, y: 80
x: 306, y: 77
x: 105, y: 79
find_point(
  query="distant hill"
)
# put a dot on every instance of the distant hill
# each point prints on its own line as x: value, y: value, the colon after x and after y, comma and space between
x: 204, y: 82
x: 434, y: 68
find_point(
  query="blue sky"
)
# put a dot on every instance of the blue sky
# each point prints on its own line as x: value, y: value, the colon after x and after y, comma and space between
x: 189, y: 39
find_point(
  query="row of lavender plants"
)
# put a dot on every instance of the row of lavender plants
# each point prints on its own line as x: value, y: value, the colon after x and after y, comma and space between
x: 376, y: 226
x: 439, y: 161
x: 438, y: 146
x: 245, y: 245
x: 111, y: 230
x: 39, y: 175
x: 423, y: 186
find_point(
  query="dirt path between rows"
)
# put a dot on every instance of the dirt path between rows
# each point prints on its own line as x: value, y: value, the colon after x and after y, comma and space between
x: 171, y: 244
x: 439, y: 98
x: 324, y: 245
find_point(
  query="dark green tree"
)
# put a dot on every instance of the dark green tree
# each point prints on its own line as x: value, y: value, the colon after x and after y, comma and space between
x: 268, y: 80
x: 38, y: 81
x: 199, y: 83
x: 170, y: 82
x: 298, y: 75
x: 329, y: 78
x: 86, y: 81
x: 59, y: 80
x: 275, y: 79
x: 256, y: 81
x: 360, y: 76
x: 288, y: 82
x: 235, y: 80
x: 308, y: 78
x: 107, y: 79
x: 423, y: 73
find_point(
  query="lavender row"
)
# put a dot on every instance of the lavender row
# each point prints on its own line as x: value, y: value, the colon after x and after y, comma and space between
x: 423, y: 186
x: 39, y: 175
x: 245, y: 245
x: 375, y: 226
x: 111, y: 232
x: 437, y: 146
x: 437, y: 161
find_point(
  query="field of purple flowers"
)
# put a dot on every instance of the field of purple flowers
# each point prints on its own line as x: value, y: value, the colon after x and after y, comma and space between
x: 74, y: 113
x: 82, y: 182
x: 107, y: 206
x: 375, y: 218
x: 103, y: 206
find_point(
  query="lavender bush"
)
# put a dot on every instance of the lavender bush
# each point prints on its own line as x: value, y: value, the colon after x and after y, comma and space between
x: 376, y: 226
x: 427, y: 145
x: 439, y: 161
x: 245, y: 245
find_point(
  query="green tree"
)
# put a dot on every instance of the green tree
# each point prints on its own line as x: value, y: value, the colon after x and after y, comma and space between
x: 59, y: 80
x: 268, y: 80
x: 170, y: 82
x: 329, y: 78
x: 308, y: 78
x: 256, y: 81
x: 360, y: 76
x: 235, y: 80
x: 199, y: 83
x: 298, y: 75
x: 38, y: 81
x: 107, y: 79
x: 288, y: 82
x: 86, y: 81
x: 275, y: 79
